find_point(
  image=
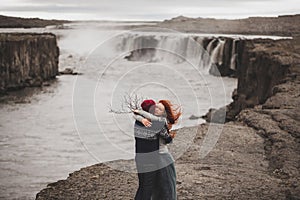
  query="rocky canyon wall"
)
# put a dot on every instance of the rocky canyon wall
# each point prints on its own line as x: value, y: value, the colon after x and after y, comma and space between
x: 27, y: 59
x: 267, y: 99
x: 264, y: 63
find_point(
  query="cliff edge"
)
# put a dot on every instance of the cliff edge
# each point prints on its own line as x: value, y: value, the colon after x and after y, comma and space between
x: 27, y: 59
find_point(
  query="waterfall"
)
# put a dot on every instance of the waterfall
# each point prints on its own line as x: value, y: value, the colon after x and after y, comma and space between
x: 164, y: 48
x: 233, y: 55
x: 171, y: 49
x: 178, y: 48
x: 195, y: 50
x: 217, y: 53
x: 210, y: 45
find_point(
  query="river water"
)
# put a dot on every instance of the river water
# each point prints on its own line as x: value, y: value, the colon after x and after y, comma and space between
x: 49, y: 132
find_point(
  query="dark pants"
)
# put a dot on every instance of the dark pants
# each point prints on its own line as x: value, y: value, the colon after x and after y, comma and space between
x: 146, y: 188
x: 165, y: 185
x: 155, y: 182
x: 147, y: 168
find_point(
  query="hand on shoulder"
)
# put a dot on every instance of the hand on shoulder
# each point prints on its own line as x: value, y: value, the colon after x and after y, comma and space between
x: 146, y: 122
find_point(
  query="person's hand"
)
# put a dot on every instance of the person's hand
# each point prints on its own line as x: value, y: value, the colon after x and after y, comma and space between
x: 134, y: 110
x: 146, y: 122
x: 172, y: 134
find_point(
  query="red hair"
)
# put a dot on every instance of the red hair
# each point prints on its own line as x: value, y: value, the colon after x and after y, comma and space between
x: 173, y: 114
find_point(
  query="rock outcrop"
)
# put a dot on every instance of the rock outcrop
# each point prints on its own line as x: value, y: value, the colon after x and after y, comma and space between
x: 267, y: 99
x: 262, y: 64
x: 277, y: 116
x: 27, y: 59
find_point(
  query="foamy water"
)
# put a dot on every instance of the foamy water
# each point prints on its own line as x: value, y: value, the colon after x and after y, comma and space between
x: 67, y: 125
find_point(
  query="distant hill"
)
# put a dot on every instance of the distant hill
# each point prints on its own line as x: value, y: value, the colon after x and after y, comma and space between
x: 18, y: 22
x: 281, y: 25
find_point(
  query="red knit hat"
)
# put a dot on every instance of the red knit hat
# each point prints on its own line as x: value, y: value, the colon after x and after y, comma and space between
x: 147, y: 104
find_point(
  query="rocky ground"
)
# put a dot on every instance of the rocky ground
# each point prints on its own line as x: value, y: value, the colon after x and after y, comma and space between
x: 237, y: 168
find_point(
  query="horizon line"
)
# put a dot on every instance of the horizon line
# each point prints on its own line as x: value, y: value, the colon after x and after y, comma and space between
x: 152, y: 20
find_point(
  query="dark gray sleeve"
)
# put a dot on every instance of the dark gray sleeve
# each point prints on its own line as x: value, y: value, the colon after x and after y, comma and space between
x: 164, y: 133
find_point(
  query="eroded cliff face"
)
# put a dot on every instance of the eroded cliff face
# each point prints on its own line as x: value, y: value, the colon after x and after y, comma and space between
x: 272, y: 102
x: 27, y: 59
x: 262, y: 64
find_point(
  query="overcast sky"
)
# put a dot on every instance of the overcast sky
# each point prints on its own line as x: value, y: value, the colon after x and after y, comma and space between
x: 146, y: 10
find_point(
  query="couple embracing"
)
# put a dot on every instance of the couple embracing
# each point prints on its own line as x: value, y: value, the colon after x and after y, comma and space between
x: 155, y: 165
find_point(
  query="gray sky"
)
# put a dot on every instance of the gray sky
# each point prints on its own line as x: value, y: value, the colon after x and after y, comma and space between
x: 146, y: 10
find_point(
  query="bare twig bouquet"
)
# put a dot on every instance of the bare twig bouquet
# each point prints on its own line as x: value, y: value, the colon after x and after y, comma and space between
x: 130, y: 102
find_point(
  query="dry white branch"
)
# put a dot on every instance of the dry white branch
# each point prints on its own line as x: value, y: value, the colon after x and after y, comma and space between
x: 130, y: 102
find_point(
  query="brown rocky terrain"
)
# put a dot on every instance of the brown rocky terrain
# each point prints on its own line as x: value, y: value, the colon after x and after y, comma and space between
x: 257, y: 155
x: 264, y: 64
x: 236, y: 169
x: 281, y: 25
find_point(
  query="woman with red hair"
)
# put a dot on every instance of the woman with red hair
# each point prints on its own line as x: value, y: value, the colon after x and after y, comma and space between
x: 171, y: 113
